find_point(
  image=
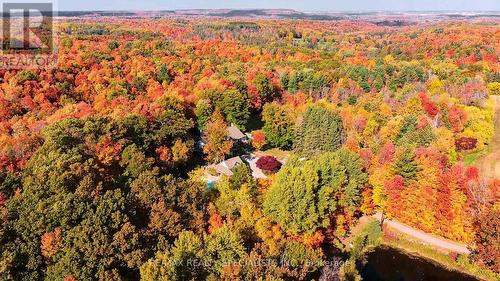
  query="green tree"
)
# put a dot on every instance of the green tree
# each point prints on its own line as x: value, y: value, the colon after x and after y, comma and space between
x: 285, y: 79
x: 264, y: 88
x: 9, y: 182
x: 406, y: 164
x: 301, y: 258
x: 103, y: 245
x: 27, y: 75
x: 408, y: 74
x: 204, y: 110
x: 108, y: 220
x: 140, y: 83
x: 236, y: 191
x: 173, y: 123
x: 409, y: 125
x: 177, y: 263
x: 320, y: 130
x: 135, y: 162
x: 305, y: 194
x: 31, y: 214
x: 278, y: 126
x: 342, y: 172
x: 137, y: 129
x: 295, y: 199
x: 223, y: 247
x: 295, y: 81
x: 352, y: 100
x: 163, y: 74
x: 235, y: 106
x: 113, y: 45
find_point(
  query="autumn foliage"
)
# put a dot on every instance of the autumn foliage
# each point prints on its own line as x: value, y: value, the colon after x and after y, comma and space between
x: 108, y: 162
x: 465, y: 143
x: 268, y: 164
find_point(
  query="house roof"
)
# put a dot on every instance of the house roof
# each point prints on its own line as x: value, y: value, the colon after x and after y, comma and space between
x: 234, y: 133
x: 231, y: 163
x: 224, y: 168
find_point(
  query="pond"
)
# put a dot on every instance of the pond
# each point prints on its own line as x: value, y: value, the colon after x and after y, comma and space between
x: 386, y: 264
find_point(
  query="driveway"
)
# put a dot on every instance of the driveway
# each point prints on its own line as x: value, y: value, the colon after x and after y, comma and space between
x: 256, y: 172
x: 423, y: 237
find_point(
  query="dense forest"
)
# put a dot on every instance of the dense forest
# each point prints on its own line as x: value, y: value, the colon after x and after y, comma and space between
x: 102, y: 175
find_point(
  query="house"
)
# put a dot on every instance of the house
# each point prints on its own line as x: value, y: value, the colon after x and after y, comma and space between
x: 214, y: 172
x: 233, y: 133
x: 227, y: 166
x: 236, y: 135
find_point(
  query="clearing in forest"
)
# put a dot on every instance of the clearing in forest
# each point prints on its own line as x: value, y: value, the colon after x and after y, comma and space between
x: 489, y: 165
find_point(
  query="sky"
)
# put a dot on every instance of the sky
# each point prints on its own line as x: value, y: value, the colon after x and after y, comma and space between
x: 300, y: 5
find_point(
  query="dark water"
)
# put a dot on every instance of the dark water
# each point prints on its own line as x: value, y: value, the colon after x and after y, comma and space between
x: 385, y: 264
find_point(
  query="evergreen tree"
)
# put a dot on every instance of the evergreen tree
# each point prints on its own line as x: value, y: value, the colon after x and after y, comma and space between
x: 285, y: 78
x: 406, y: 164
x: 204, y: 110
x: 235, y: 106
x: 321, y: 130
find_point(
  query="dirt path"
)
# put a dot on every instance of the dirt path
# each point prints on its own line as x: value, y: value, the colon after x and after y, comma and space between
x: 489, y: 165
x: 425, y: 238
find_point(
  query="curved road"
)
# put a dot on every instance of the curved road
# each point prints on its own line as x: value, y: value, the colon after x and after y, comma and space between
x: 425, y: 238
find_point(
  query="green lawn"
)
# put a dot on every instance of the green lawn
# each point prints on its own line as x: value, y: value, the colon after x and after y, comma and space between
x: 473, y: 157
x: 278, y: 153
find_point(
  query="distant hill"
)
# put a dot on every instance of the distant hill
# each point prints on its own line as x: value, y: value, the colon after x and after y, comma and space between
x: 381, y: 18
x: 260, y: 13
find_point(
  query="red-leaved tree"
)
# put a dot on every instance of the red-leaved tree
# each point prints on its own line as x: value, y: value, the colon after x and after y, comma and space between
x: 466, y: 143
x: 269, y: 164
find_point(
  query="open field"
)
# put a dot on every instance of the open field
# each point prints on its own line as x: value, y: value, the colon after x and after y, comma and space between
x: 489, y: 164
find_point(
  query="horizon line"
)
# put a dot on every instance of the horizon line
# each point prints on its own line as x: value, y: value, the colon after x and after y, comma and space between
x: 284, y: 9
